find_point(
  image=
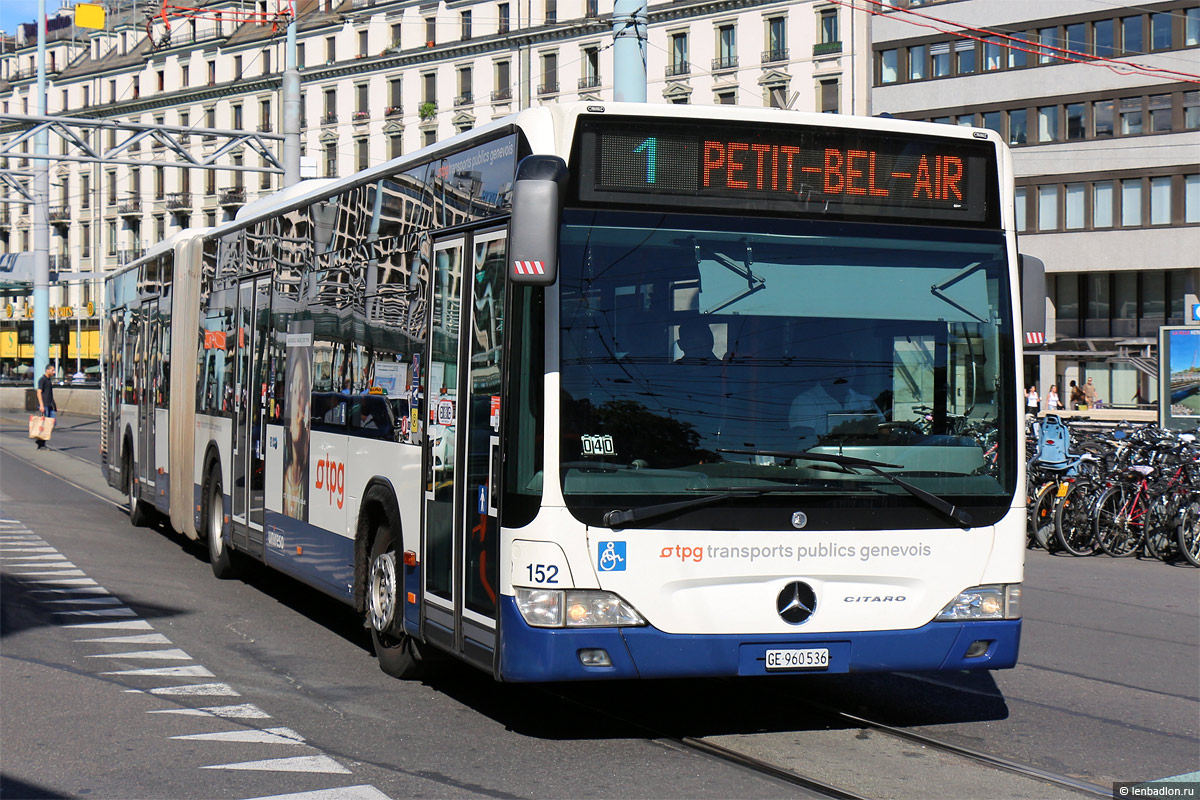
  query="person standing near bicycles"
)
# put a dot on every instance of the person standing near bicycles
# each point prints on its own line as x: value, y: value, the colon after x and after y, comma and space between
x: 1052, y: 401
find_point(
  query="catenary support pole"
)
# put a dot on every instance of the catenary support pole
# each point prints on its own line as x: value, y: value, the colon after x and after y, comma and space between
x: 41, y: 215
x: 291, y: 109
x: 629, y: 50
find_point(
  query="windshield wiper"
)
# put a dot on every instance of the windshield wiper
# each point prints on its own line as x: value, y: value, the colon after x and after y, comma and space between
x: 949, y: 509
x: 616, y: 518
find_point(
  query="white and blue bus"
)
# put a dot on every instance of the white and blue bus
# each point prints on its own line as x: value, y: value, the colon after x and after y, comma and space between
x: 607, y: 391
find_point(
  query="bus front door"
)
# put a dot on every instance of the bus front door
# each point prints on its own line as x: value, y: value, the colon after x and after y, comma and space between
x: 251, y: 334
x: 460, y: 553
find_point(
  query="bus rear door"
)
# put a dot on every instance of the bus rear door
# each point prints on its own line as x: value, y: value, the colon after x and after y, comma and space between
x: 251, y: 335
x: 460, y: 550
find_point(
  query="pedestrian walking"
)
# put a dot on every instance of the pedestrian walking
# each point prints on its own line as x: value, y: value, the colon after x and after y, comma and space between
x: 1052, y: 401
x: 1032, y: 400
x: 45, y: 397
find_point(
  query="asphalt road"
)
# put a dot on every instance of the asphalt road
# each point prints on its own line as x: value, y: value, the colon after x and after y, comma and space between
x: 1107, y: 688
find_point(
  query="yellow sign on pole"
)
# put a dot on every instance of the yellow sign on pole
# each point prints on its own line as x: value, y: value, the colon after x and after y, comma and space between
x: 89, y: 15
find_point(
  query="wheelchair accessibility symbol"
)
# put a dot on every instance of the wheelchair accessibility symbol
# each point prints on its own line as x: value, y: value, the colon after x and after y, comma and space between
x: 612, y: 556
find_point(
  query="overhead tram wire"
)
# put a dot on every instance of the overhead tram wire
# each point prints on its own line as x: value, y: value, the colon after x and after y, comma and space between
x: 1069, y: 56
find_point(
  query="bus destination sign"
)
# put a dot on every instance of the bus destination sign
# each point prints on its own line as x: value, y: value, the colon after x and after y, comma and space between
x: 806, y: 170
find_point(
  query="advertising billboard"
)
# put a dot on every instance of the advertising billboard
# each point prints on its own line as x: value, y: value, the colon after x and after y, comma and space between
x: 1179, y: 377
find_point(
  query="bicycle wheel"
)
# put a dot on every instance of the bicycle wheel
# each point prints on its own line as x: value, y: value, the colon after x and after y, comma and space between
x: 1161, y: 528
x: 1073, y: 519
x: 1120, y: 520
x: 1188, y: 533
x: 1041, y: 516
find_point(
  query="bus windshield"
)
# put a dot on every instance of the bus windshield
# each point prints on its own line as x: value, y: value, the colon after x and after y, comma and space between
x: 703, y: 355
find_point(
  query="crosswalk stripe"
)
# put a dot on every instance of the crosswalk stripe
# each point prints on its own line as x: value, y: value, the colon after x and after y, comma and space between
x: 362, y: 792
x: 195, y: 689
x: 115, y: 625
x: 243, y: 711
x: 174, y: 654
x: 80, y: 590
x: 55, y: 557
x: 41, y: 570
x: 293, y: 764
x: 63, y: 581
x: 86, y: 601
x: 263, y: 736
x: 123, y: 611
x: 190, y: 671
x: 143, y: 638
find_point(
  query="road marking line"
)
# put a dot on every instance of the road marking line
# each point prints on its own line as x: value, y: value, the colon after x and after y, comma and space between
x: 75, y: 590
x: 64, y: 581
x: 293, y: 764
x: 363, y: 792
x: 164, y: 655
x: 243, y: 711
x: 263, y: 736
x: 4, y: 549
x: 57, y: 557
x: 199, y: 689
x: 86, y: 601
x: 123, y: 611
x: 144, y: 638
x: 121, y: 625
x: 193, y: 671
x: 71, y: 572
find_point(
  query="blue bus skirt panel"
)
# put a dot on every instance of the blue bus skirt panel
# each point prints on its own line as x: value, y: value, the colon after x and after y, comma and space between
x: 552, y: 654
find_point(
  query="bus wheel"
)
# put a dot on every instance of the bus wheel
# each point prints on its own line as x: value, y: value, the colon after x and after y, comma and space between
x: 220, y: 557
x: 398, y: 653
x: 138, y: 514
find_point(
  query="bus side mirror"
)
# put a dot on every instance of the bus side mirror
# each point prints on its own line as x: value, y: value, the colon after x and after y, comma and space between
x: 1032, y: 275
x: 533, y: 231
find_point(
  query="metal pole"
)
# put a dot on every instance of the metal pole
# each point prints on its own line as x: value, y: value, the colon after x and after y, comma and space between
x: 629, y: 51
x: 291, y: 109
x: 41, y: 216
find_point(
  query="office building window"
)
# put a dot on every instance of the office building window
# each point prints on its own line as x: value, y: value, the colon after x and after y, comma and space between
x: 1048, y: 124
x: 1102, y: 204
x: 829, y: 96
x: 964, y: 57
x: 1191, y: 110
x: 1048, y: 51
x: 776, y: 39
x: 1191, y: 26
x: 679, y: 54
x: 939, y: 52
x: 994, y: 120
x: 551, y: 11
x: 918, y: 69
x: 1131, y: 35
x: 502, y: 14
x: 888, y: 72
x: 1017, y: 126
x: 1017, y: 54
x: 1160, y: 30
x: 1074, y: 196
x: 464, y: 26
x: 1102, y: 118
x: 1047, y: 208
x: 1075, y: 121
x: 1102, y: 33
x: 726, y: 47
x: 993, y: 54
x: 1131, y: 116
x: 1191, y: 198
x: 1020, y: 196
x: 1077, y: 38
x: 828, y: 22
x: 1159, y: 107
x: 1131, y: 202
x: 1160, y: 201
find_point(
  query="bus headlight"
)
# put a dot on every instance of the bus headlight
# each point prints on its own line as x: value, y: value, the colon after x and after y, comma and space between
x: 984, y: 602
x: 575, y: 608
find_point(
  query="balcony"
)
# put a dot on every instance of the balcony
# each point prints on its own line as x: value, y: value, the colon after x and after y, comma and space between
x: 827, y: 49
x: 589, y: 82
x: 361, y: 117
x: 59, y: 215
x: 502, y: 95
x: 233, y: 197
x: 393, y: 111
x: 550, y: 87
x: 680, y: 69
x: 178, y: 201
x: 330, y: 118
x: 775, y: 56
x: 724, y: 63
x: 464, y: 99
x: 131, y: 206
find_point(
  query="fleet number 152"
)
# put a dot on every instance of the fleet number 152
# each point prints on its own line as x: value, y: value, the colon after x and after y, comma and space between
x: 542, y: 573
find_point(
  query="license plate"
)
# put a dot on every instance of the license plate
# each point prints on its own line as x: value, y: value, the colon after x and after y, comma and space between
x: 1063, y: 488
x: 815, y: 658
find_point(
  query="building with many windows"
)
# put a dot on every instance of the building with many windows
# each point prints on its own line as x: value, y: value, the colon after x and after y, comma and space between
x: 379, y: 78
x: 1101, y: 104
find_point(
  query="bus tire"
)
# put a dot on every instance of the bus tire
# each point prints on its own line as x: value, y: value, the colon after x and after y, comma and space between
x: 398, y: 653
x: 139, y: 514
x: 222, y: 559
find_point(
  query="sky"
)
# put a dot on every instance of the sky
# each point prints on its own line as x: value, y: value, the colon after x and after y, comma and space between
x: 14, y: 12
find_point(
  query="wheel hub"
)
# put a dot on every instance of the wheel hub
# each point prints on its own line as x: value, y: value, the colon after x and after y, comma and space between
x: 383, y: 598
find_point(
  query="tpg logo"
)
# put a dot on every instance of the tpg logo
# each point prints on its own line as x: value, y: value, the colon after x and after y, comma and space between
x: 331, y: 476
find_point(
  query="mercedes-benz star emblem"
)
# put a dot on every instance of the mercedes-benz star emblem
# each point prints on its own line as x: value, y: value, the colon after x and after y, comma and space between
x: 796, y: 602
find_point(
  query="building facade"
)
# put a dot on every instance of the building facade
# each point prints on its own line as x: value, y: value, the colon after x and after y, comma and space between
x: 379, y: 78
x: 1101, y: 104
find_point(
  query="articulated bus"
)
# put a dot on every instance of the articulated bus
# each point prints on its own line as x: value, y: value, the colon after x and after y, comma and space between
x: 606, y: 391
